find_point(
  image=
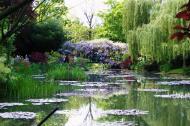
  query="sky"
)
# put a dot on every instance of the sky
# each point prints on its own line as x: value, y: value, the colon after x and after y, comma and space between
x: 78, y: 7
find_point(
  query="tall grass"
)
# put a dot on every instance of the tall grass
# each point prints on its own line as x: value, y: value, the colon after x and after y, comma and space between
x: 29, y: 69
x: 22, y: 85
x: 27, y: 87
x: 66, y: 72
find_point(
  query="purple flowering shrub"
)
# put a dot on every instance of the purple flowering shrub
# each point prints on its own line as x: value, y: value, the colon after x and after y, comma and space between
x: 101, y: 50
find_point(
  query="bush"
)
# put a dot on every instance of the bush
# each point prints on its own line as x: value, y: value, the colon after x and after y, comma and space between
x: 165, y: 67
x: 38, y: 57
x: 53, y: 57
x: 41, y: 37
x: 4, y: 70
x: 154, y: 66
x: 100, y: 50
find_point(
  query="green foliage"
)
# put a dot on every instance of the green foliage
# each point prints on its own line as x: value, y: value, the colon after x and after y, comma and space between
x: 4, y: 70
x: 112, y: 22
x: 165, y: 67
x: 23, y: 68
x: 51, y: 9
x: 66, y: 72
x: 181, y: 71
x: 41, y: 37
x: 125, y: 56
x: 136, y: 13
x: 9, y: 49
x: 77, y: 31
x: 147, y: 31
x: 24, y: 86
x: 139, y: 66
x: 53, y: 57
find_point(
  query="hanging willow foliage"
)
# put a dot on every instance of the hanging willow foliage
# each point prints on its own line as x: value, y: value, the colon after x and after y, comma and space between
x: 148, y: 25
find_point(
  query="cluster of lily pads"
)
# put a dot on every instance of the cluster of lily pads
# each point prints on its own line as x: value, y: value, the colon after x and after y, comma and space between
x: 174, y: 96
x: 27, y: 115
x: 181, y: 82
x: 101, y: 50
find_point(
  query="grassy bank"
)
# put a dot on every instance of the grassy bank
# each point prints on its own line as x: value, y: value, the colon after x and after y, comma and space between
x: 22, y: 85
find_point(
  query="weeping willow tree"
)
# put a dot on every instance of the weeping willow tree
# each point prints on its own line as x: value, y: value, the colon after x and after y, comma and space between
x: 148, y: 25
x: 136, y: 14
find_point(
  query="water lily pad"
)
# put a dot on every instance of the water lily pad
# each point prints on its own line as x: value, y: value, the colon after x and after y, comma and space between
x: 125, y: 81
x: 117, y: 123
x: 71, y: 84
x: 61, y: 81
x: 2, y: 105
x: 40, y: 76
x: 153, y: 90
x: 80, y: 93
x: 120, y: 76
x: 18, y: 115
x: 67, y: 94
x: 152, y: 78
x: 174, y: 96
x: 132, y: 112
x: 52, y: 100
x: 182, y: 82
x: 92, y: 90
x: 40, y: 103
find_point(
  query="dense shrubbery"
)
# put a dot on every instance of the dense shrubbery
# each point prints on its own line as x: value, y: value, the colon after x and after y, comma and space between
x: 101, y: 50
x: 40, y: 37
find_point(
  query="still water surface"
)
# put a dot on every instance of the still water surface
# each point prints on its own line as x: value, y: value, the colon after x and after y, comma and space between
x: 109, y: 98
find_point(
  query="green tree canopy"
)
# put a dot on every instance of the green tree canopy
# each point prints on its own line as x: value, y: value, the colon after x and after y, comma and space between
x: 112, y: 22
x: 148, y: 25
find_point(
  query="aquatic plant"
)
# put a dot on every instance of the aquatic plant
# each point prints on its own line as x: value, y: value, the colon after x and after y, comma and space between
x: 28, y: 69
x: 23, y: 86
x: 66, y: 72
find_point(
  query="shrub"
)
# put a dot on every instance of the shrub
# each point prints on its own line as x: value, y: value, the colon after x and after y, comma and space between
x: 165, y: 67
x: 38, y: 57
x: 100, y: 50
x: 53, y: 57
x: 40, y: 37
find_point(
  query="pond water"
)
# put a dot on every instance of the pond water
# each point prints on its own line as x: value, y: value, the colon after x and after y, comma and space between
x: 108, y: 98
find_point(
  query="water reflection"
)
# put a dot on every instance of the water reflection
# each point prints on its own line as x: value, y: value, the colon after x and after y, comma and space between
x: 111, y: 99
x: 85, y: 116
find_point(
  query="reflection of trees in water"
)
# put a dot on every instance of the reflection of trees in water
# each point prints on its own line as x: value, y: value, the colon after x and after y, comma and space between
x: 162, y: 112
x: 133, y: 96
x: 89, y: 114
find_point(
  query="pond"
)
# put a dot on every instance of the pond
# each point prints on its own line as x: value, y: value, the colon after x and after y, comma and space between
x: 108, y: 98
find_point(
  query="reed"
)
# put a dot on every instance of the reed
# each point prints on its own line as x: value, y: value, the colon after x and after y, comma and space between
x: 66, y: 72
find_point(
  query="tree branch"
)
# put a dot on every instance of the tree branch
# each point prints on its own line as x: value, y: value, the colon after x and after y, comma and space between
x: 13, y: 8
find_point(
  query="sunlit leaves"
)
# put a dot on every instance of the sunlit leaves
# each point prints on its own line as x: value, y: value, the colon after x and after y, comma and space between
x: 152, y: 40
